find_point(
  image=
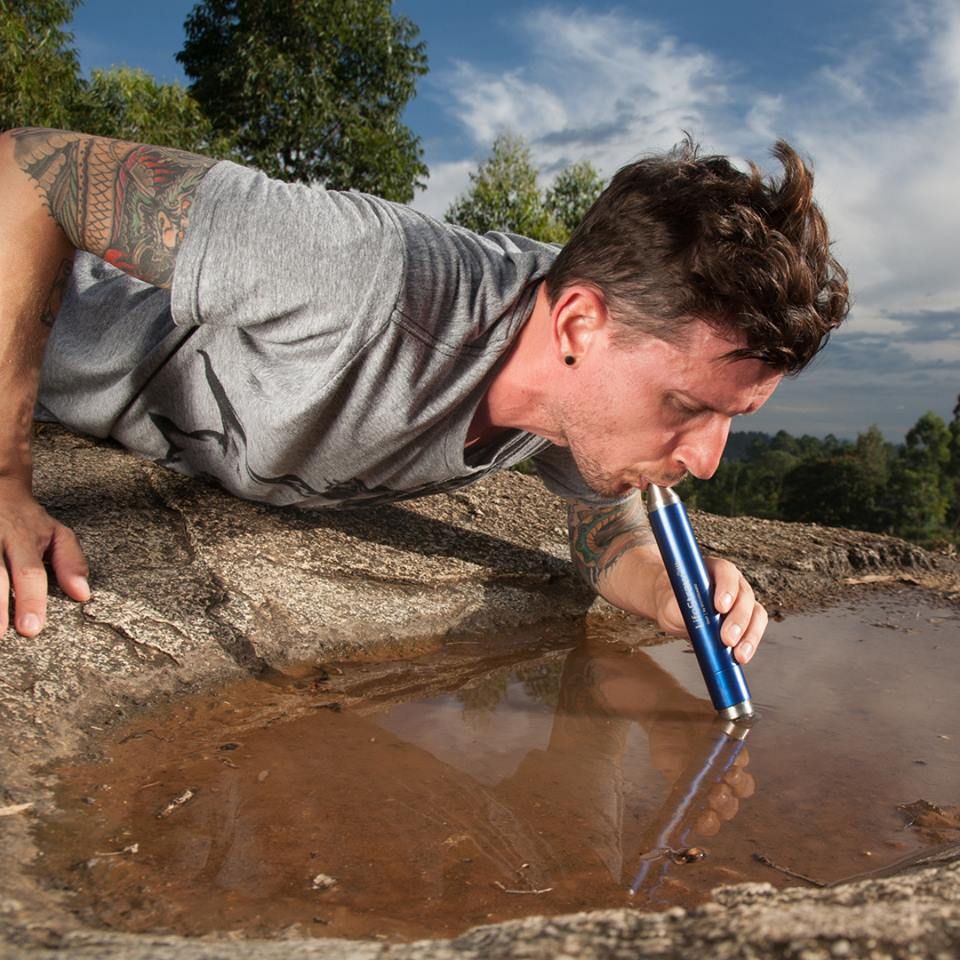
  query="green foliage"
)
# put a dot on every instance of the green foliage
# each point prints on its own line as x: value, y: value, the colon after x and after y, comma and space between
x: 912, y: 491
x: 921, y: 480
x: 504, y: 195
x: 39, y: 70
x: 841, y: 491
x: 953, y: 514
x: 131, y: 105
x: 311, y: 90
x: 750, y: 487
x: 572, y: 194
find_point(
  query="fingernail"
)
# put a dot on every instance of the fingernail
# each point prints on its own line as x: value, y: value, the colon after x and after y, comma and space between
x: 84, y: 585
x: 746, y: 651
x: 30, y: 624
x: 725, y: 601
x: 733, y: 633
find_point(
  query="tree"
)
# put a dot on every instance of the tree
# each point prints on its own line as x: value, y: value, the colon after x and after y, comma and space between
x: 39, y: 70
x: 840, y: 491
x: 572, y: 194
x: 504, y: 195
x: 131, y: 105
x: 921, y: 486
x: 311, y: 90
x: 953, y: 469
x: 876, y: 454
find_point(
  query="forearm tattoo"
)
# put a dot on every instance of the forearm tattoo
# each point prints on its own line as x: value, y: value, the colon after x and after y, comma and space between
x: 125, y: 202
x: 599, y: 536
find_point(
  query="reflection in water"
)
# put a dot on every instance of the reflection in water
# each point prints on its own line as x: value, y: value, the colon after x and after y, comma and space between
x: 603, y: 694
x: 580, y: 778
x: 713, y: 779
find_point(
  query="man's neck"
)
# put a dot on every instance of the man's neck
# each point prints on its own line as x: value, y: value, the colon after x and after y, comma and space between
x: 515, y: 398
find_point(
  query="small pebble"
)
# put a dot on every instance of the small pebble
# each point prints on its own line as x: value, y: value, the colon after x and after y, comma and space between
x: 323, y: 881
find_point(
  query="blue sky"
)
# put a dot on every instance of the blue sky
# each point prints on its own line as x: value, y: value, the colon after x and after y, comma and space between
x: 869, y: 91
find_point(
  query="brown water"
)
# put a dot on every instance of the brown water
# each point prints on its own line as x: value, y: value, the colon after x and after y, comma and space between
x: 514, y: 777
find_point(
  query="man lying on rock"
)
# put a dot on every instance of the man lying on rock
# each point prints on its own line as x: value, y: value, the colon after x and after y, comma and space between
x: 317, y: 349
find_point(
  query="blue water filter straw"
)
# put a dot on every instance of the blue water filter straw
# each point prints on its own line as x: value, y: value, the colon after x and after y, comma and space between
x: 694, y: 592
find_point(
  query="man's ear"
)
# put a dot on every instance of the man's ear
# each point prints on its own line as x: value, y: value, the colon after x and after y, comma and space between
x: 578, y: 318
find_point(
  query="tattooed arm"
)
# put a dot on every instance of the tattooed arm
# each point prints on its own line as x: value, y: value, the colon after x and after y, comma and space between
x: 614, y: 550
x: 61, y: 192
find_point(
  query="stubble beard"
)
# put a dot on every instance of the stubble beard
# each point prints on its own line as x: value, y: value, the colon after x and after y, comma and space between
x: 607, y: 484
x: 600, y: 481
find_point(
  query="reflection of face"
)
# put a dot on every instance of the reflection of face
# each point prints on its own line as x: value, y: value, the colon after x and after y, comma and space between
x: 651, y: 412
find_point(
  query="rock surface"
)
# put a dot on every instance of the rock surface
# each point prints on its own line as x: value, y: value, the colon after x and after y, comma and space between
x: 192, y: 586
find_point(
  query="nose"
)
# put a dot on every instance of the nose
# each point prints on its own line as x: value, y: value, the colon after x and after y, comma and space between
x: 700, y: 450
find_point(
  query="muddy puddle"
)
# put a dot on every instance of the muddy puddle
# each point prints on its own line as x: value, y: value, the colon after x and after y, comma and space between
x: 522, y: 775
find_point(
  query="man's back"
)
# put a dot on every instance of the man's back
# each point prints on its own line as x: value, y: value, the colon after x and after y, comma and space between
x: 316, y: 347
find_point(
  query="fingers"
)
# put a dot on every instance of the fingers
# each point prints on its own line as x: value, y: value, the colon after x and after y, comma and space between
x: 669, y: 617
x: 23, y: 574
x: 724, y: 798
x: 29, y: 583
x: 746, y: 619
x: 4, y: 600
x: 69, y: 564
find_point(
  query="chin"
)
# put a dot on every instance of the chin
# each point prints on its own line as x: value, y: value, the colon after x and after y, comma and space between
x: 607, y: 487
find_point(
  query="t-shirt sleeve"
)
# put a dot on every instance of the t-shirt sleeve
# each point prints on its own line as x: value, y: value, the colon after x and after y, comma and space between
x: 289, y: 259
x: 558, y: 471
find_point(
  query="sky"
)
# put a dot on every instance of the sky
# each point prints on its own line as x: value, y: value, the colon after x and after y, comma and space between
x: 867, y: 90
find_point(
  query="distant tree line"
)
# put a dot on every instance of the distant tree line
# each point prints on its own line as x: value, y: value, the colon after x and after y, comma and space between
x: 911, y: 489
x: 310, y: 91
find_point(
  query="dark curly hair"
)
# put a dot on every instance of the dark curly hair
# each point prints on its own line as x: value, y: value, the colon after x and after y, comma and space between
x: 681, y: 237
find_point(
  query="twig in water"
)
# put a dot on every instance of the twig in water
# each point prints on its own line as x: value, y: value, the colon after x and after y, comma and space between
x: 535, y: 893
x: 767, y: 862
x: 132, y: 848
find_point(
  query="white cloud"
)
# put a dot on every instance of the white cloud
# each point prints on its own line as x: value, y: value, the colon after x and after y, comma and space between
x: 602, y: 88
x: 447, y: 181
x: 880, y: 118
x: 888, y: 181
x: 763, y: 117
x: 491, y: 104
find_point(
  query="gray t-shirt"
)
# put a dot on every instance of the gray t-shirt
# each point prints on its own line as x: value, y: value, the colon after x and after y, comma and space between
x: 317, y: 348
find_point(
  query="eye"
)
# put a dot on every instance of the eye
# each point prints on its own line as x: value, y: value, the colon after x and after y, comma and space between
x: 681, y: 409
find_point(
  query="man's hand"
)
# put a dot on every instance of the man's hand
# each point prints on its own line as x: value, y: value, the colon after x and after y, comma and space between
x: 27, y: 535
x: 745, y: 618
x: 60, y: 192
x: 614, y: 551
